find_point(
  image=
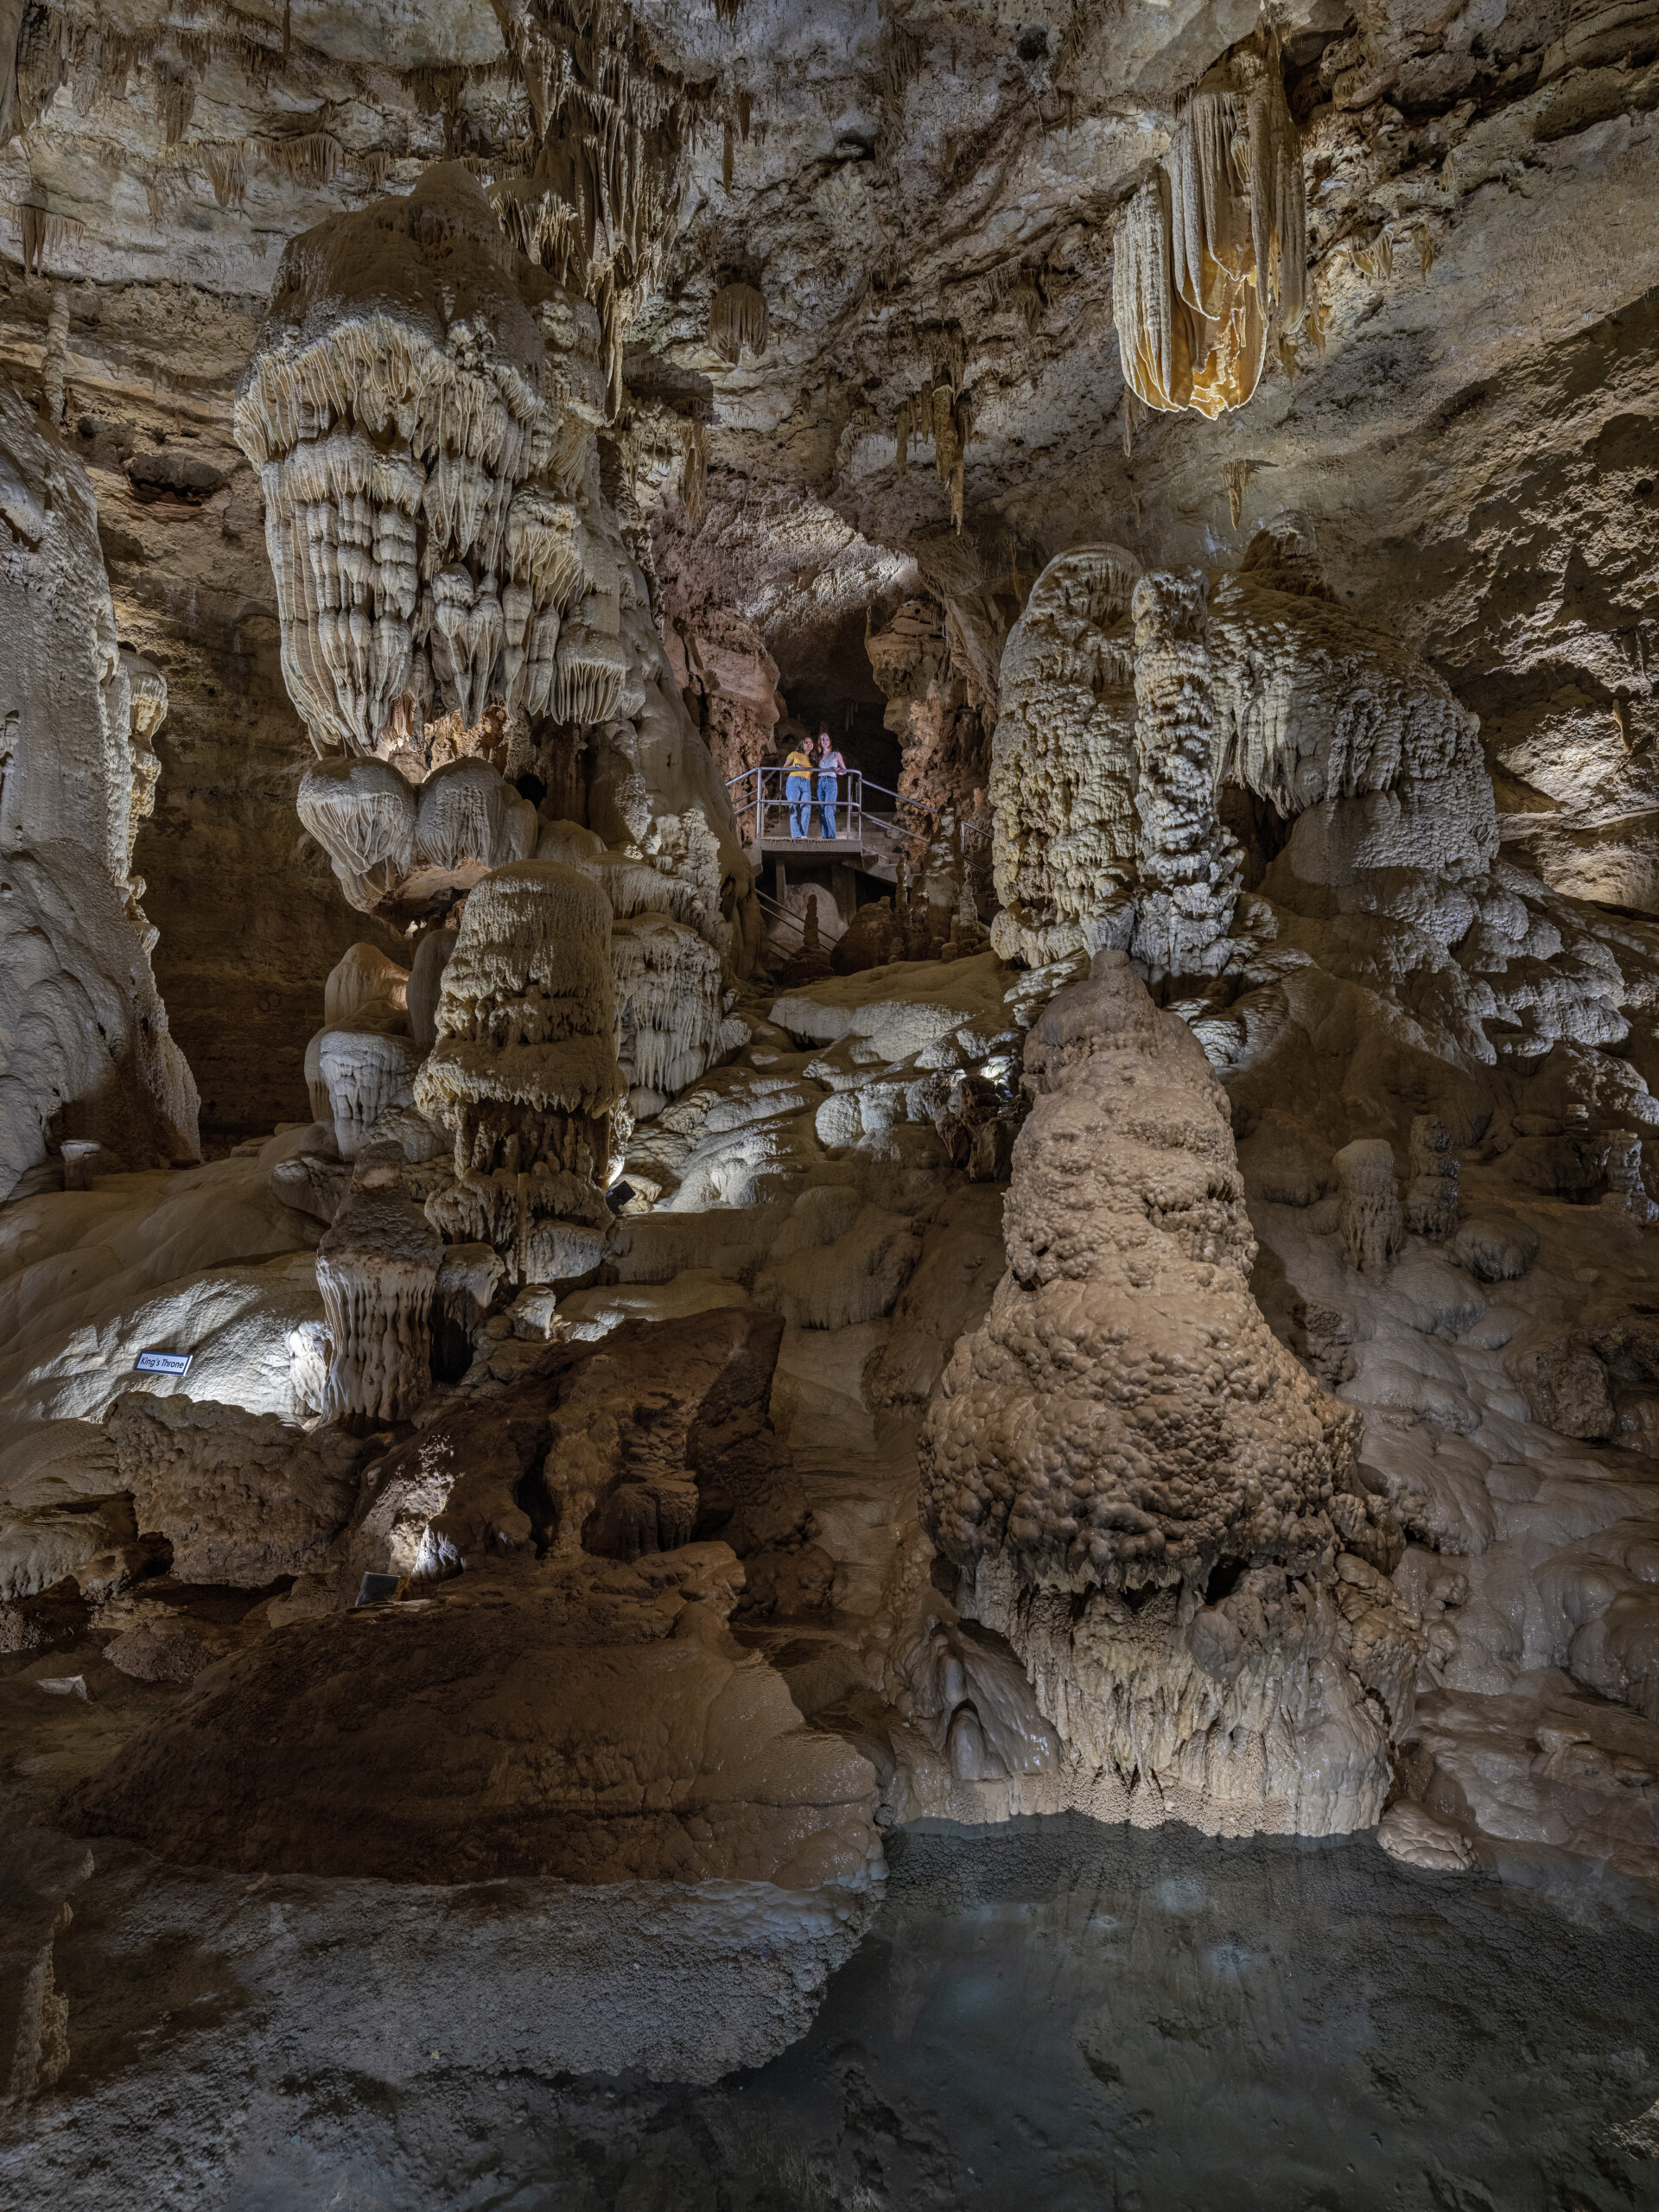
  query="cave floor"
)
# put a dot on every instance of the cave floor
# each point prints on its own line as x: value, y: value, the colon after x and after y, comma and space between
x: 1054, y: 2012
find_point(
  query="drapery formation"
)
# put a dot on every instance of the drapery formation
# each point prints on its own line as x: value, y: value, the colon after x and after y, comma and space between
x: 1214, y: 242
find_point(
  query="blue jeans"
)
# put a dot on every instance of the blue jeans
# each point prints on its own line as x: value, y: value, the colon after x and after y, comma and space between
x: 798, y: 790
x: 827, y: 804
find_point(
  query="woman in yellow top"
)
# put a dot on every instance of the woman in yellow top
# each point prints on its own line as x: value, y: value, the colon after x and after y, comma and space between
x: 798, y: 788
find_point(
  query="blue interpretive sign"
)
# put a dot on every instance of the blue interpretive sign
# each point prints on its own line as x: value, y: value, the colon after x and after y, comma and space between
x: 162, y: 1363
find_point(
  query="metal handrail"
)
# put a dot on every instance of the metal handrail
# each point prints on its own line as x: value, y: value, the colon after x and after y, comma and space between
x: 770, y: 907
x: 903, y: 798
x: 767, y: 807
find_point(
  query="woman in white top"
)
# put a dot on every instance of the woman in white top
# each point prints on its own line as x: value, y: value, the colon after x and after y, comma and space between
x: 830, y: 766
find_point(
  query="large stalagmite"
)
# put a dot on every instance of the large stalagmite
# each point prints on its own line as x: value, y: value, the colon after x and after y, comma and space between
x: 1134, y: 1479
x: 1191, y: 871
x: 524, y: 1070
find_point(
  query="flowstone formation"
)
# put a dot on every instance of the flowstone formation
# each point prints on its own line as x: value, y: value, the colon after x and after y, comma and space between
x: 87, y: 1056
x: 1140, y: 1488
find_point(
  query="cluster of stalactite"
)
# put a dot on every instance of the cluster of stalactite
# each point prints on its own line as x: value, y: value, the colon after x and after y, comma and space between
x: 612, y: 129
x: 1215, y: 241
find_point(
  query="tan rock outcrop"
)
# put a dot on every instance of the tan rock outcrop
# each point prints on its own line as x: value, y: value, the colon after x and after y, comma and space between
x: 585, y: 1715
x: 243, y: 1499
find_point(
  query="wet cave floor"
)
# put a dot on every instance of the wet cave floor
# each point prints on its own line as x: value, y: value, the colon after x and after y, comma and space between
x: 1064, y: 2016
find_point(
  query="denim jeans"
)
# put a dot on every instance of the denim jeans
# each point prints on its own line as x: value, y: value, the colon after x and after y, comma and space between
x: 798, y: 790
x: 827, y: 804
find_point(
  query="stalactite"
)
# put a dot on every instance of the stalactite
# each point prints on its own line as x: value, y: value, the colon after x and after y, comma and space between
x: 44, y: 235
x: 420, y: 530
x: 611, y: 133
x: 1376, y: 259
x: 738, y: 318
x: 175, y: 101
x: 1214, y: 241
x: 313, y: 157
x: 225, y: 164
x: 726, y: 158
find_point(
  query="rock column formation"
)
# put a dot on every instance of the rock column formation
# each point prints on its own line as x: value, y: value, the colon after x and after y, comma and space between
x: 525, y: 1071
x: 1136, y: 1481
x: 1064, y: 766
x: 1191, y: 871
x: 422, y: 409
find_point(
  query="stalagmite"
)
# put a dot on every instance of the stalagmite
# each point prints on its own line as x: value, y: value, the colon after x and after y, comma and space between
x: 1190, y: 868
x: 668, y: 984
x: 1373, y: 1228
x: 1627, y: 1191
x: 364, y: 1073
x: 57, y: 347
x: 363, y: 979
x: 1124, y: 1434
x: 376, y: 1269
x: 1431, y: 1208
x: 425, y: 987
x: 1063, y: 762
x: 524, y: 1070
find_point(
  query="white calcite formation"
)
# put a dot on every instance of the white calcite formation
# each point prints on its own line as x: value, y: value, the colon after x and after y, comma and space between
x: 419, y: 462
x: 524, y: 1070
x: 670, y: 985
x: 1139, y: 1486
x: 365, y: 1074
x: 1190, y: 868
x: 87, y: 1050
x: 377, y: 1268
x: 1321, y: 714
x: 421, y: 408
x: 1063, y: 762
